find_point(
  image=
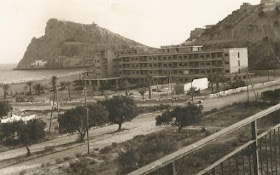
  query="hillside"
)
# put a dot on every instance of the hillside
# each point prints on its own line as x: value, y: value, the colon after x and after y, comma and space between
x: 248, y: 27
x: 68, y: 44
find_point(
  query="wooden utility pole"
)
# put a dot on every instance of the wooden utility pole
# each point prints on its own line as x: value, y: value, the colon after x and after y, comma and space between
x: 85, y: 96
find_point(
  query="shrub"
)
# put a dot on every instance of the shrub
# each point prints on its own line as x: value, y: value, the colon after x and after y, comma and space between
x: 106, y: 149
x: 66, y: 158
x: 58, y: 161
x: 82, y: 167
x: 78, y: 155
x: 147, y: 150
x: 261, y: 14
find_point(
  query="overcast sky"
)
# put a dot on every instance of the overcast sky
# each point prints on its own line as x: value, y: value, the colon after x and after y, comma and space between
x: 150, y: 22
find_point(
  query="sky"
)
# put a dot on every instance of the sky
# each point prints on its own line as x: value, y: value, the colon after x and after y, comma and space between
x: 150, y: 22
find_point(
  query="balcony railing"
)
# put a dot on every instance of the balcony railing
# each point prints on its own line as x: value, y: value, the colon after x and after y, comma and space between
x: 262, y: 157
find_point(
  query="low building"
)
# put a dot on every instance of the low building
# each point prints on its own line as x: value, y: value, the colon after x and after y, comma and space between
x: 38, y: 63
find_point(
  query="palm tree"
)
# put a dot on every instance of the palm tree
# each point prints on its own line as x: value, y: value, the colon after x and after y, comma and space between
x: 63, y: 84
x: 5, y: 88
x: 38, y: 88
x: 53, y: 82
x: 142, y: 92
x: 29, y: 84
x: 149, y: 80
x: 125, y: 85
x: 68, y: 84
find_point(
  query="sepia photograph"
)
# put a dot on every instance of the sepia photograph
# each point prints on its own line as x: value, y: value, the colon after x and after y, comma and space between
x: 140, y: 87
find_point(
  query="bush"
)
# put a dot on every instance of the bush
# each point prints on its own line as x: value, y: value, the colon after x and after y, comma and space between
x: 261, y: 14
x: 58, y: 161
x: 78, y: 155
x: 106, y: 149
x: 82, y: 167
x: 148, y: 149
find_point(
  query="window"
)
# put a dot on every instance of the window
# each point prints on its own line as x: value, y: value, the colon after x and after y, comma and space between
x: 238, y: 55
x: 201, y: 56
x: 226, y: 54
x: 227, y: 71
x: 226, y: 62
x: 239, y: 71
x: 238, y: 62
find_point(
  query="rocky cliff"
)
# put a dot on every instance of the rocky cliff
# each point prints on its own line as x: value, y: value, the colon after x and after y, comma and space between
x: 71, y: 41
x: 249, y: 27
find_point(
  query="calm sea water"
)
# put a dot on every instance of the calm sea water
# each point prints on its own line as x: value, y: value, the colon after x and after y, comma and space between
x: 8, y: 75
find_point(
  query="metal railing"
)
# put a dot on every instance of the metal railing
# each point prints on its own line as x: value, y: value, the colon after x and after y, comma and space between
x: 257, y: 156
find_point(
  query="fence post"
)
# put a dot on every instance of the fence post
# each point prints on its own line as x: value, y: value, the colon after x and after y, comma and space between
x: 171, y: 168
x: 255, y: 147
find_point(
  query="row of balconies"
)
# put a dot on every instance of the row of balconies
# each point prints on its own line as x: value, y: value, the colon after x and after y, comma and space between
x: 173, y: 58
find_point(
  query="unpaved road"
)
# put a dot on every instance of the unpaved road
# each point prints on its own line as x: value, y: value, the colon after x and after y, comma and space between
x: 144, y: 124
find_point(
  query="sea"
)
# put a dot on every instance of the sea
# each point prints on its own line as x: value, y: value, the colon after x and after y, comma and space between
x: 9, y: 75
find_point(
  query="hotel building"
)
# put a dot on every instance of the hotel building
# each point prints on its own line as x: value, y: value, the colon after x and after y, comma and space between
x: 179, y: 63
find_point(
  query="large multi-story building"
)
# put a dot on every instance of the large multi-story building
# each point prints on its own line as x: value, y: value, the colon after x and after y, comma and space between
x: 185, y: 63
x: 179, y: 63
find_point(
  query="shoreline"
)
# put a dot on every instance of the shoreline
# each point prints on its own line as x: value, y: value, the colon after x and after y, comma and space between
x: 21, y: 87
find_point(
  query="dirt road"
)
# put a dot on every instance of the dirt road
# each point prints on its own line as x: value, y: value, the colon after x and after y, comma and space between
x: 142, y: 125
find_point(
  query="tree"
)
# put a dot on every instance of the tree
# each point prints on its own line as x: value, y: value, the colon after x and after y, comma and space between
x: 53, y: 82
x: 29, y: 84
x: 142, y: 92
x: 68, y: 85
x: 76, y: 119
x: 183, y: 116
x: 125, y: 85
x: 5, y: 108
x: 103, y: 86
x: 179, y: 90
x: 5, y: 88
x: 211, y: 80
x: 120, y: 108
x: 31, y: 132
x: 26, y: 133
x: 192, y: 91
x: 149, y: 80
x: 63, y: 85
x: 38, y: 88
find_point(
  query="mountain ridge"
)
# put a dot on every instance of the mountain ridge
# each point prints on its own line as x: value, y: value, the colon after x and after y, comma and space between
x: 65, y: 40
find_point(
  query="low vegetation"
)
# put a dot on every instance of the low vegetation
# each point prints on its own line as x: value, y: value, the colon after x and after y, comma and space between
x: 181, y: 116
x: 5, y: 108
